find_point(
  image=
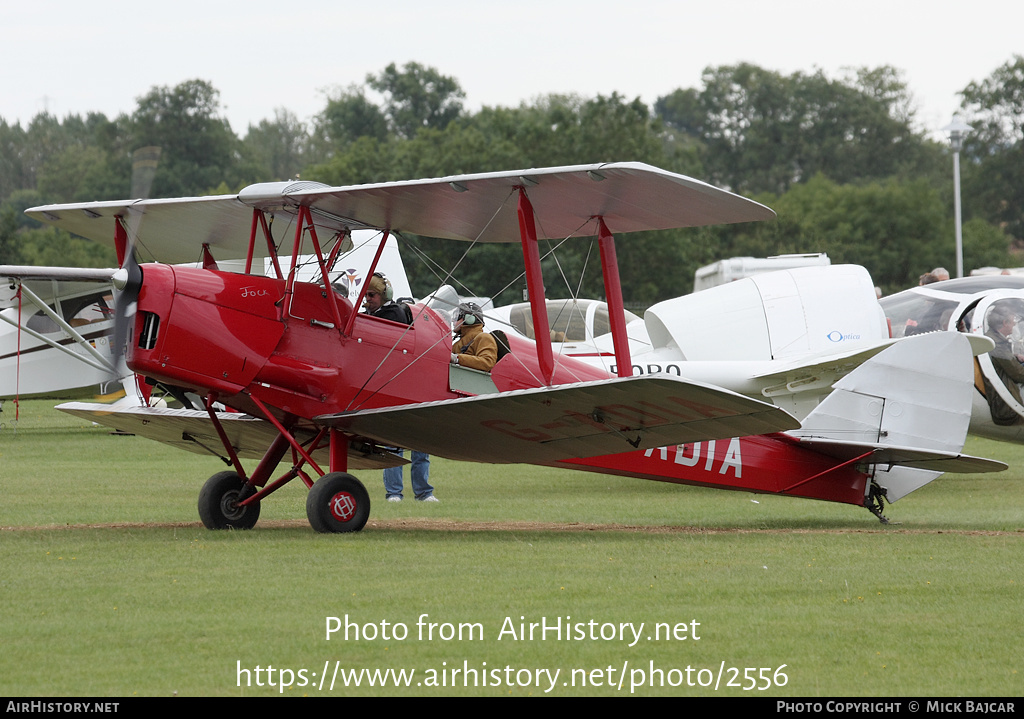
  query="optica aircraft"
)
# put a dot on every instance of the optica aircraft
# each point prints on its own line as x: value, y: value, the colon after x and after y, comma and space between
x: 310, y: 376
x: 785, y: 337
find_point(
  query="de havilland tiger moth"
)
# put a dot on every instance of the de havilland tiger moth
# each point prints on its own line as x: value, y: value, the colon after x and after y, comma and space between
x: 305, y: 375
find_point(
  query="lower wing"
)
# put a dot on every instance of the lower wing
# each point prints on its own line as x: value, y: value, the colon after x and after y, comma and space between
x: 578, y: 420
x: 192, y: 430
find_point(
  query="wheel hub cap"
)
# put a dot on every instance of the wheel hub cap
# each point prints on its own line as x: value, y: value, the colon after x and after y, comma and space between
x: 342, y: 506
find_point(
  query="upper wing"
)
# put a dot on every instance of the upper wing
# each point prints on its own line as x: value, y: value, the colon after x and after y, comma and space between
x: 170, y: 231
x: 578, y: 420
x: 192, y: 430
x: 481, y: 207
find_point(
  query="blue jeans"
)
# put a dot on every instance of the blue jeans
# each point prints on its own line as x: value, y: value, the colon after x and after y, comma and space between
x: 420, y: 475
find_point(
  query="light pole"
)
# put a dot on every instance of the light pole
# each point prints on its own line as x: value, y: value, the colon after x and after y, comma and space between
x: 957, y: 130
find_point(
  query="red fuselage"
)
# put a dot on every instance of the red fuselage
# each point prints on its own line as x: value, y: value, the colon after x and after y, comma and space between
x: 244, y: 336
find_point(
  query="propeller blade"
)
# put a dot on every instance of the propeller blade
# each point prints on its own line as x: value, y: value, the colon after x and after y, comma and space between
x: 127, y: 283
x: 128, y: 279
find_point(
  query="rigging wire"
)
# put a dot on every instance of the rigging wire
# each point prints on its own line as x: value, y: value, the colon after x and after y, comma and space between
x: 407, y: 329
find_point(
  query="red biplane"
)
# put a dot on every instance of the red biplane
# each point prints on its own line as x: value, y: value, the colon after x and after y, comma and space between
x: 309, y: 376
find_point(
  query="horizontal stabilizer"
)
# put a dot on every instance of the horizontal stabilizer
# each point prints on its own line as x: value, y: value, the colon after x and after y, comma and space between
x: 567, y: 421
x: 933, y: 460
x: 192, y: 430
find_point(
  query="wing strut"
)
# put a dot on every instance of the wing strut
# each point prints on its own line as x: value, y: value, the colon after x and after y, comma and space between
x: 365, y: 286
x: 288, y: 436
x: 232, y: 454
x: 120, y: 240
x: 852, y: 460
x: 332, y: 300
x: 258, y: 218
x: 535, y: 287
x: 252, y: 241
x: 613, y: 295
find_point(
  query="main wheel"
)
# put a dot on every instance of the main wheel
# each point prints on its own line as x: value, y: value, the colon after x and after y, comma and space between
x: 218, y: 503
x: 338, y: 502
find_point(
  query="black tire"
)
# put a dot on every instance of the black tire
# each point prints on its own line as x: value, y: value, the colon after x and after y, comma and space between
x: 338, y: 502
x: 218, y: 506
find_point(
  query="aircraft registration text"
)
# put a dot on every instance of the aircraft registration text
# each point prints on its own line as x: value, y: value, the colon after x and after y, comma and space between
x: 689, y: 455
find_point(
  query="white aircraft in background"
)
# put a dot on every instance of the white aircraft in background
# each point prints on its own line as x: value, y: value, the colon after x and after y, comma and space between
x: 969, y: 305
x: 784, y: 336
x: 55, y: 337
x: 583, y: 326
x: 788, y: 336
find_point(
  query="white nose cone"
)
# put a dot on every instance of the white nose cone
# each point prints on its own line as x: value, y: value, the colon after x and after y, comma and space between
x: 120, y: 279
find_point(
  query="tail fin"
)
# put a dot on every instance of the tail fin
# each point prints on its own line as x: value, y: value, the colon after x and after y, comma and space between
x: 909, y: 407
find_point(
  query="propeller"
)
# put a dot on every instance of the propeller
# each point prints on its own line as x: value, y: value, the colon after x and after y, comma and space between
x: 127, y: 282
x: 128, y: 279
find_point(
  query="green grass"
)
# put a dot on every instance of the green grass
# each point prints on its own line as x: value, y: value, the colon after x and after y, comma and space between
x: 111, y: 587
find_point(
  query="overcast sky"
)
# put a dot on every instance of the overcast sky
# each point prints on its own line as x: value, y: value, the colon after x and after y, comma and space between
x: 68, y: 56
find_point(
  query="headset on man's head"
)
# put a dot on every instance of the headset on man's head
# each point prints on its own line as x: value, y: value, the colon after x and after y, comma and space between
x: 388, y: 292
x: 469, y: 313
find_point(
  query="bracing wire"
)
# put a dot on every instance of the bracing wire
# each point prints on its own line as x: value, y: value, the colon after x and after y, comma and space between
x: 388, y: 354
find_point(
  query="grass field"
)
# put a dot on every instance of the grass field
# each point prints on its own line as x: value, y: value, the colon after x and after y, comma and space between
x: 111, y: 586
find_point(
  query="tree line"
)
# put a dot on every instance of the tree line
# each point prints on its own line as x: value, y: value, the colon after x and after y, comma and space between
x: 840, y: 159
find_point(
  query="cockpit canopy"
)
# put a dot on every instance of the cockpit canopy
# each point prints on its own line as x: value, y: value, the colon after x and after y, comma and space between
x: 988, y: 305
x: 571, y: 320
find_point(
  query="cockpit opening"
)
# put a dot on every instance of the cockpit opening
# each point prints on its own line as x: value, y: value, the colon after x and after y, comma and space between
x: 915, y: 314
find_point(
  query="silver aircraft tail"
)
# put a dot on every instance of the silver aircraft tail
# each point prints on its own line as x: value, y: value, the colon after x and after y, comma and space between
x: 904, y: 414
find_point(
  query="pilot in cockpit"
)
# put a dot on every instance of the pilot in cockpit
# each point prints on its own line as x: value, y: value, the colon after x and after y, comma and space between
x: 1001, y: 321
x: 473, y: 347
x: 380, y: 302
